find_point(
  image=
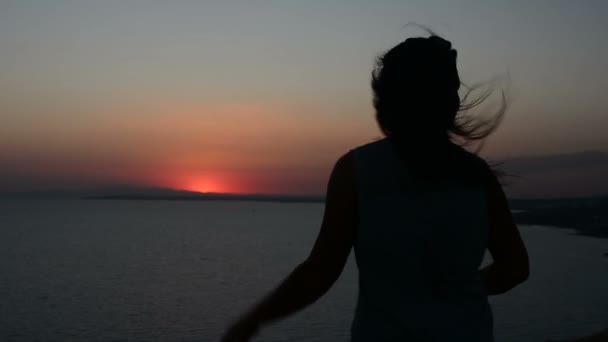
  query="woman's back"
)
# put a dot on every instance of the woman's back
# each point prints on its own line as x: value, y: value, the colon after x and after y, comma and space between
x: 418, y: 249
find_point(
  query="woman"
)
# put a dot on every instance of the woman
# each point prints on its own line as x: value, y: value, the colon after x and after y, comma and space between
x: 419, y: 212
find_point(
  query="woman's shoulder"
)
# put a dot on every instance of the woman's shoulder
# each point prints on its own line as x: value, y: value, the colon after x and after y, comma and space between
x: 472, y: 157
x: 478, y: 167
x: 373, y: 147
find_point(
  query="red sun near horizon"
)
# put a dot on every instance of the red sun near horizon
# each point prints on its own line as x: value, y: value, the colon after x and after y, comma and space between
x: 207, y: 184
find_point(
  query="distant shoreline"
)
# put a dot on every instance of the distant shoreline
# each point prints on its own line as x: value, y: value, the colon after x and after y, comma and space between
x: 587, y: 216
x: 212, y: 197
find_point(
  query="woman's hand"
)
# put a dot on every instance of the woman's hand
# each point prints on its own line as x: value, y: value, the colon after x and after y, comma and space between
x: 241, y: 331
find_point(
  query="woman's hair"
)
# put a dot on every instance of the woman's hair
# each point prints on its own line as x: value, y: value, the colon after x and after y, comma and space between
x: 416, y: 94
x: 418, y: 105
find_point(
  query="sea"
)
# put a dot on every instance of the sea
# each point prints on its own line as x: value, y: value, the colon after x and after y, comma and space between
x: 161, y: 270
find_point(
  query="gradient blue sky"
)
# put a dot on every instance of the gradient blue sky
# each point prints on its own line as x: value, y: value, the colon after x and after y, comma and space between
x: 262, y: 96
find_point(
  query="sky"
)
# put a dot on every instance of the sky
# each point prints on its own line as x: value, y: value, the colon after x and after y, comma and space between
x: 264, y: 96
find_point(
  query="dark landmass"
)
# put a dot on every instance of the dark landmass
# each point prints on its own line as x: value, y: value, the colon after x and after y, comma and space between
x: 44, y: 194
x: 588, y: 216
x: 571, y: 175
x: 163, y: 194
x: 212, y: 197
x: 155, y: 194
x: 551, y: 163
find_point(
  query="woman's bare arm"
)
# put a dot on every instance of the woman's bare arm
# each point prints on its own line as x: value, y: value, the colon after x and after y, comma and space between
x: 313, y: 277
x: 510, y: 265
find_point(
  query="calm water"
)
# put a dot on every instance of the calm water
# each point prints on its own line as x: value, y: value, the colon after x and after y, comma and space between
x: 177, y: 271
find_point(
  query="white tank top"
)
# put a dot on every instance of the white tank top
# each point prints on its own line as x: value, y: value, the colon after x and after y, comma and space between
x: 418, y: 252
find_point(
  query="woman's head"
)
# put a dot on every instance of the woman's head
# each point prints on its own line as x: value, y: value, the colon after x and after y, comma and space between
x: 416, y: 94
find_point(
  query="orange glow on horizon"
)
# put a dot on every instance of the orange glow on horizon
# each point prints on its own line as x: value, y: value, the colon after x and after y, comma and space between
x: 207, y: 183
x: 247, y: 148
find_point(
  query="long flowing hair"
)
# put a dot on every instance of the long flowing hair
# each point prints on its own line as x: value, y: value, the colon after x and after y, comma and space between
x: 419, y: 107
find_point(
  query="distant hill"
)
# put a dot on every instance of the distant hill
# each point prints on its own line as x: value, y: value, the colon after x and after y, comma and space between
x: 587, y: 216
x: 98, y: 192
x: 193, y: 196
x: 151, y: 193
x: 555, y: 176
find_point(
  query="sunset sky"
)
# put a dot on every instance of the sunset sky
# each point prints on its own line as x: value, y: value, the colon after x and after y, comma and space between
x: 263, y: 96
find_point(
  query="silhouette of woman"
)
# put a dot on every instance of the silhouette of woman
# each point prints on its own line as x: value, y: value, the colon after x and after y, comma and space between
x: 418, y: 210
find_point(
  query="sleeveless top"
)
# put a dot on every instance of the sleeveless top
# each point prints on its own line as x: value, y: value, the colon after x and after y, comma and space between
x: 418, y: 252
